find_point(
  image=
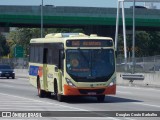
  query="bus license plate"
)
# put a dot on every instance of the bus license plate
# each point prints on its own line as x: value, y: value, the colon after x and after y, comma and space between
x: 91, y: 93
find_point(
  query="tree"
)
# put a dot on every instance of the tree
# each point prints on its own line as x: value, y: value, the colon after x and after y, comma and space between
x: 154, y: 45
x: 4, y: 48
x: 22, y: 36
x: 144, y: 43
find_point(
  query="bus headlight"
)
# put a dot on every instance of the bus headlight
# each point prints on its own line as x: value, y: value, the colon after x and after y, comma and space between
x: 112, y: 82
x: 69, y: 82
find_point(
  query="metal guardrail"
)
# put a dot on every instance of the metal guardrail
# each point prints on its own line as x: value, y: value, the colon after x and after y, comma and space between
x: 133, y: 77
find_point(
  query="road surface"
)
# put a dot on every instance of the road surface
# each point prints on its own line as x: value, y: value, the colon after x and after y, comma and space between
x: 18, y: 95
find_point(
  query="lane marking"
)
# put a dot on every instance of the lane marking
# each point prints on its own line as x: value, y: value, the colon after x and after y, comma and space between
x: 65, y: 106
x: 20, y: 109
x: 15, y: 87
x: 17, y: 82
x: 124, y: 92
x: 10, y: 86
x: 138, y: 88
x: 26, y: 105
x: 148, y: 105
x: 90, y: 118
x: 44, y: 102
x: 129, y: 118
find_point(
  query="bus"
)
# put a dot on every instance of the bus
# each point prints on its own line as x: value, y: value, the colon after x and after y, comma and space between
x: 73, y: 64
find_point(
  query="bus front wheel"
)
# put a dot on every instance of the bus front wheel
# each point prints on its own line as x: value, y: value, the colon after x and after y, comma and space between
x: 57, y: 96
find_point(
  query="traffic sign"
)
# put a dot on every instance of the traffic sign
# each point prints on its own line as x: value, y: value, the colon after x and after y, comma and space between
x: 18, y: 51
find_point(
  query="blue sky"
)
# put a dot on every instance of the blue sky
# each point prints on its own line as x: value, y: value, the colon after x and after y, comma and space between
x: 85, y: 3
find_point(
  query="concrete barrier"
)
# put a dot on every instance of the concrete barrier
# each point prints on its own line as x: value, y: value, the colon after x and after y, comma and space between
x: 23, y: 73
x: 150, y: 79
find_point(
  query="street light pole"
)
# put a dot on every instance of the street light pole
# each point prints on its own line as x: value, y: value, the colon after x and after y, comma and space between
x: 42, y: 19
x: 133, y: 41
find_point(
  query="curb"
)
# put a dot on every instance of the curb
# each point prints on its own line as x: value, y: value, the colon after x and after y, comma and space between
x: 22, y: 77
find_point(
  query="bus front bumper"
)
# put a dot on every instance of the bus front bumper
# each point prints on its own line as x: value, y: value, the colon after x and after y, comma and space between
x: 68, y: 90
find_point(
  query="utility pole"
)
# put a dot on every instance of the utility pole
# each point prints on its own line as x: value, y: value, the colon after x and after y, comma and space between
x: 42, y: 19
x: 133, y: 41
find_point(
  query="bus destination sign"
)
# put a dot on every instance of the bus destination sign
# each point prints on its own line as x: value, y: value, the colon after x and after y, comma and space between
x: 89, y: 43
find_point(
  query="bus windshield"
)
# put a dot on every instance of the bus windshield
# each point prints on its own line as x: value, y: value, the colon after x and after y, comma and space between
x: 96, y: 65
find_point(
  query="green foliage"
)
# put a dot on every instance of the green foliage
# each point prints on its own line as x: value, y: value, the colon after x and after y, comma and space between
x: 154, y: 45
x: 22, y: 36
x: 146, y: 43
x: 4, y: 48
x: 142, y: 43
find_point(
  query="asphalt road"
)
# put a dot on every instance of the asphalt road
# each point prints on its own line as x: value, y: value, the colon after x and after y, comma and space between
x: 18, y: 95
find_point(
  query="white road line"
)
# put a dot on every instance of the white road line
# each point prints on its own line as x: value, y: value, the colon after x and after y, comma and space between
x: 14, y: 101
x: 90, y: 118
x: 28, y: 106
x: 142, y: 88
x: 129, y: 118
x: 65, y: 106
x: 148, y: 105
x: 123, y: 92
x: 10, y: 86
x: 44, y: 102
x: 26, y: 109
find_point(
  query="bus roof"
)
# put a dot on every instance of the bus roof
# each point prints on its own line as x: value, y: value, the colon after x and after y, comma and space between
x: 62, y: 37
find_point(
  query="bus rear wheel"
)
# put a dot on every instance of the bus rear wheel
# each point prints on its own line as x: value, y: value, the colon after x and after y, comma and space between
x: 100, y: 98
x: 41, y: 93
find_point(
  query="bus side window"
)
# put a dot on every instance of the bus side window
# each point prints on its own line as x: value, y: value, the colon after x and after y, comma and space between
x: 50, y: 58
x: 61, y: 58
x: 45, y: 55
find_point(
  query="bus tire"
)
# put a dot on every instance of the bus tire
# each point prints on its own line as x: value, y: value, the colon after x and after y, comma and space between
x: 41, y: 93
x: 57, y: 96
x: 60, y: 98
x: 100, y: 98
x: 48, y: 94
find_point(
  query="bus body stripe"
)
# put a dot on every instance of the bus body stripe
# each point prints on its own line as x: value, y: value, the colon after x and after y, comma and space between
x: 68, y: 90
x: 35, y: 70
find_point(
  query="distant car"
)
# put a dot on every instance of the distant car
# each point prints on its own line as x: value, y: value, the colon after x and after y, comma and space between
x: 7, y: 71
x: 142, y: 7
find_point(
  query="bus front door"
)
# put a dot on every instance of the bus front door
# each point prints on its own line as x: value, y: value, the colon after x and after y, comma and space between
x: 45, y: 69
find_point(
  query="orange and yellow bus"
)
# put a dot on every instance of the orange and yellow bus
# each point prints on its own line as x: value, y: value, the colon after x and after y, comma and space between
x: 73, y: 64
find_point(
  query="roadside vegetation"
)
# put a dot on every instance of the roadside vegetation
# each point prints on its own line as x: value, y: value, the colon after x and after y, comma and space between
x: 147, y: 43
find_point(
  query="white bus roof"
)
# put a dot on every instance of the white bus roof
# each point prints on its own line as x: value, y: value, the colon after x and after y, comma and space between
x: 62, y: 37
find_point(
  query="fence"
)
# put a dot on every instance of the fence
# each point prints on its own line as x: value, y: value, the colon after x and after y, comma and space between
x: 142, y: 65
x: 16, y: 63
